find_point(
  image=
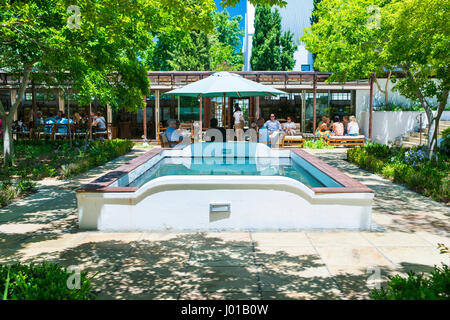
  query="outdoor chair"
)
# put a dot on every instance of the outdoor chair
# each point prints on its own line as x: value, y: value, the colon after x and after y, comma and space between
x: 345, y: 141
x: 107, y: 134
x: 295, y: 139
x: 45, y: 131
x: 80, y: 131
x: 61, y: 131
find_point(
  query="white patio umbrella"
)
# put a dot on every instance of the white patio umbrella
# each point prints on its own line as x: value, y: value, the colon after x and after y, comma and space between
x: 224, y: 84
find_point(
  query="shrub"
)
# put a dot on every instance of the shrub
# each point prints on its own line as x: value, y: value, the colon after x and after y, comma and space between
x: 410, y: 167
x: 445, y: 143
x: 436, y: 286
x: 42, y: 281
x: 317, y: 144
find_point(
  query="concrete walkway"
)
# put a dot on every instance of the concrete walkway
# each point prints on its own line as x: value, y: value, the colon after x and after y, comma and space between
x: 237, y: 265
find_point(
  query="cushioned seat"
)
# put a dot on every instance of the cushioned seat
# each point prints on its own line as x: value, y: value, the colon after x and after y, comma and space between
x: 289, y: 140
x: 348, y: 137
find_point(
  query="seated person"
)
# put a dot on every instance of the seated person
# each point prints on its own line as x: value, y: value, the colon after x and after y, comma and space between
x: 324, y: 119
x: 39, y: 119
x: 263, y: 132
x: 63, y: 120
x: 273, y: 125
x: 58, y: 115
x: 99, y: 123
x: 345, y: 123
x: 352, y: 128
x: 337, y: 127
x: 172, y: 134
x: 289, y: 127
x: 214, y: 125
x: 49, y: 123
x: 323, y: 130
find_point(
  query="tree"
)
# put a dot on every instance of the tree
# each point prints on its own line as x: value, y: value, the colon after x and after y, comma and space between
x: 268, y: 52
x: 98, y: 43
x: 368, y: 38
x: 214, y: 49
x: 288, y: 48
x: 314, y: 17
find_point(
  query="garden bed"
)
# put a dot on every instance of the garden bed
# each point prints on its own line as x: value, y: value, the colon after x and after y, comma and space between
x: 39, y: 159
x: 406, y: 166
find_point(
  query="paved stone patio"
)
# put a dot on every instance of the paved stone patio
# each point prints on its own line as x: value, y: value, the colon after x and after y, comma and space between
x: 230, y: 265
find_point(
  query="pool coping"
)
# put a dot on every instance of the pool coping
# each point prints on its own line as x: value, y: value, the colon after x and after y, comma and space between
x: 101, y: 184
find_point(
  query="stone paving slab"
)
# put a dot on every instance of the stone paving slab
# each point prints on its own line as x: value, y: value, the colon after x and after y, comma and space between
x: 230, y: 265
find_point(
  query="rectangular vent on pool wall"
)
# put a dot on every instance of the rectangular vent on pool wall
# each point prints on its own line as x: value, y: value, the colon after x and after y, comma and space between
x: 219, y: 211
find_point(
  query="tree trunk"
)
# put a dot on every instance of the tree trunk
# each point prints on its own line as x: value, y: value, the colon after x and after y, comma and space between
x: 8, y: 150
x: 433, y: 129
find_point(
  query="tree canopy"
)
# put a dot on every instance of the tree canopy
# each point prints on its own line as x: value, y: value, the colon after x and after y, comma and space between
x: 210, y: 49
x: 364, y: 38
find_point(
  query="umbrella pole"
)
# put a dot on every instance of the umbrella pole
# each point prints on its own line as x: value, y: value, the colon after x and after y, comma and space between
x: 201, y: 115
x: 224, y: 110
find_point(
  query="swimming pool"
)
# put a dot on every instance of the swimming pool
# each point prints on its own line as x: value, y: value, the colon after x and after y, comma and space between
x: 224, y: 186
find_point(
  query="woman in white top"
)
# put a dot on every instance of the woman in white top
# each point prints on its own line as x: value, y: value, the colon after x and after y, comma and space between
x: 352, y: 127
x: 238, y: 123
x: 289, y: 127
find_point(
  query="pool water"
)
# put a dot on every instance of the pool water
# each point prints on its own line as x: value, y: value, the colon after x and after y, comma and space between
x: 299, y: 170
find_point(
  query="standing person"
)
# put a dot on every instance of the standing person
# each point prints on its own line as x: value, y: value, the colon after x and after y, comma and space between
x: 338, y: 127
x: 289, y: 127
x: 238, y: 122
x: 352, y: 128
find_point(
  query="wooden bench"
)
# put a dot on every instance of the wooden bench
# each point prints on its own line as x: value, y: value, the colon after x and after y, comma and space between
x: 346, y: 141
x: 290, y: 140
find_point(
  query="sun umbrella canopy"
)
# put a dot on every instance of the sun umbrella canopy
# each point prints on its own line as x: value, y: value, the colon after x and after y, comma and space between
x: 220, y: 83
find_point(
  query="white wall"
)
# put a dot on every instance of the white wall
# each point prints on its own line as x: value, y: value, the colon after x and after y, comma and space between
x: 387, y: 126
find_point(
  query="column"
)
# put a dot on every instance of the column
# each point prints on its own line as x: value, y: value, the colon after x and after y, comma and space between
x: 258, y: 111
x: 60, y: 100
x: 303, y: 115
x: 144, y: 118
x: 179, y: 108
x: 314, y: 103
x: 371, y: 107
x: 157, y: 114
x: 109, y: 121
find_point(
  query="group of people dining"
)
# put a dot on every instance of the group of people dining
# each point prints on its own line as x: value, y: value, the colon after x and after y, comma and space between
x: 81, y: 121
x: 272, y: 129
x: 46, y: 123
x: 336, y: 127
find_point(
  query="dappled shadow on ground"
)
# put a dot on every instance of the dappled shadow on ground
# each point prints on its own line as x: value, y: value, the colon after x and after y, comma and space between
x: 395, y: 207
x: 194, y: 266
